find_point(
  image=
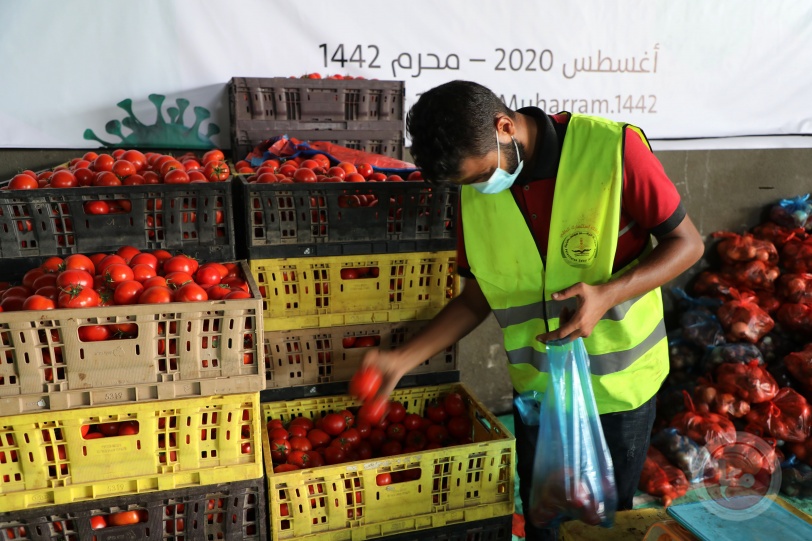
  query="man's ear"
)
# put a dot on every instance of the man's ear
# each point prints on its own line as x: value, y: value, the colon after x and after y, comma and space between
x: 505, y: 125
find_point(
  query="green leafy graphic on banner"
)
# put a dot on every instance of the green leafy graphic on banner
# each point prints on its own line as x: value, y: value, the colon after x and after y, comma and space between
x: 163, y: 134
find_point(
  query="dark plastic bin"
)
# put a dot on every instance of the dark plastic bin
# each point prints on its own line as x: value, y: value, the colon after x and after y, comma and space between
x: 230, y: 511
x: 361, y: 114
x: 196, y: 219
x: 296, y: 220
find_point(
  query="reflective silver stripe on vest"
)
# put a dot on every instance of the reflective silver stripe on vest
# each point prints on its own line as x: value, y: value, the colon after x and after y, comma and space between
x: 600, y: 365
x: 521, y: 314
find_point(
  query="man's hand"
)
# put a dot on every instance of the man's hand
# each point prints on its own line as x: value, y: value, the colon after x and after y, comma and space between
x: 593, y: 303
x: 391, y: 366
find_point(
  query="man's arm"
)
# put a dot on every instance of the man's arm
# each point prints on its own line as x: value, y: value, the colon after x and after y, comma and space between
x: 674, y: 254
x: 459, y: 317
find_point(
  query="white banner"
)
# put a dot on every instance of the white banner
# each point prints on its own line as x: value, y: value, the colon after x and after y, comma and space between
x: 692, y: 71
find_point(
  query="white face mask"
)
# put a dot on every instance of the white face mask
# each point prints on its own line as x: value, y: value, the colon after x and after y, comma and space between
x: 500, y: 180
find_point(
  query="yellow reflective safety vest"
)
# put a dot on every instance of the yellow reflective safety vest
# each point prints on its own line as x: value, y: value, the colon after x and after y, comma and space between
x: 628, y: 349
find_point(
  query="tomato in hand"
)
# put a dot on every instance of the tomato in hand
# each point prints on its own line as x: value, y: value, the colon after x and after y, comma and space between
x: 366, y: 382
x: 373, y: 411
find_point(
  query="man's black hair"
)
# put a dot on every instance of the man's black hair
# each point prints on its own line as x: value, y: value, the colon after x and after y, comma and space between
x: 450, y: 123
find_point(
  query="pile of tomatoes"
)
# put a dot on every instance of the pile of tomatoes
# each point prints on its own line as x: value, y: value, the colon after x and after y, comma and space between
x: 126, y: 277
x: 315, y: 169
x: 347, y: 436
x: 127, y: 168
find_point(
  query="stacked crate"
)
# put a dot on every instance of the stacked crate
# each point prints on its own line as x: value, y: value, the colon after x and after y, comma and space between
x: 178, y: 400
x: 338, y: 280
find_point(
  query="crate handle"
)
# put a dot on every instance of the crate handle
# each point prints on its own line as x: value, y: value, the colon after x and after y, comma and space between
x: 484, y: 421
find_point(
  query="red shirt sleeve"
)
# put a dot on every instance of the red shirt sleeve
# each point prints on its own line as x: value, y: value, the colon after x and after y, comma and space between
x: 649, y: 196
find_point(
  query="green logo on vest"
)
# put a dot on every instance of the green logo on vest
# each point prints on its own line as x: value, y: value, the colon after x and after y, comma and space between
x: 580, y: 248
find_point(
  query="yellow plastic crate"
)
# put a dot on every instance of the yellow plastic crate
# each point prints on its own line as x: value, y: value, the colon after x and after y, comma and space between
x: 181, y: 350
x: 301, y: 293
x: 457, y: 484
x: 333, y: 354
x: 45, y: 460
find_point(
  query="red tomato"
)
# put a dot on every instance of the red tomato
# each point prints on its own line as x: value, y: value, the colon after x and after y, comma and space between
x: 50, y: 292
x: 366, y: 382
x: 97, y: 522
x: 351, y: 436
x: 106, y: 178
x: 94, y: 333
x: 364, y: 169
x: 413, y: 422
x: 127, y: 253
x: 282, y: 468
x: 177, y: 176
x: 318, y: 438
x: 118, y: 273
x: 298, y: 443
x: 177, y: 279
x: 215, y: 155
x: 391, y: 448
x: 363, y: 428
x: 397, y: 413
x: 84, y: 176
x: 297, y: 431
x: 155, y: 295
x: 374, y: 410
x: 238, y: 294
x: 394, y: 178
x: 64, y: 179
x: 334, y: 424
x: 454, y: 404
x: 337, y: 172
x: 136, y: 158
x: 17, y: 291
x: 396, y: 432
x: 155, y: 281
x: 191, y: 292
x: 304, y: 175
x: 280, y: 448
x: 354, y: 177
x: 334, y: 455
x: 180, y: 263
x: 437, y: 434
x: 377, y: 437
x: 52, y: 264
x: 23, y: 182
x: 112, y: 259
x: 278, y: 432
x: 235, y: 283
x: 245, y: 448
x: 216, y: 171
x: 123, y: 518
x: 31, y: 276
x: 38, y: 302
x: 144, y: 259
x: 128, y: 428
x: 108, y: 429
x: 415, y: 439
x: 459, y: 427
x: 299, y: 458
x: 170, y: 165
x: 80, y: 262
x: 142, y: 273
x: 348, y: 167
x: 78, y: 297
x: 301, y: 421
x: 218, y: 292
x: 415, y: 175
x: 435, y: 412
x: 383, y: 479
x: 207, y: 276
x: 348, y: 342
x: 377, y: 177
x: 69, y: 278
x: 122, y: 169
x: 128, y: 292
x: 46, y: 280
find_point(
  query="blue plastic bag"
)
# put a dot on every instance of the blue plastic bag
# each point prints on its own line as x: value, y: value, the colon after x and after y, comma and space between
x: 573, y: 475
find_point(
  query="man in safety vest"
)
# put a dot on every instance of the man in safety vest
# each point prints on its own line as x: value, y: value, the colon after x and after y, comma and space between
x: 557, y: 215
